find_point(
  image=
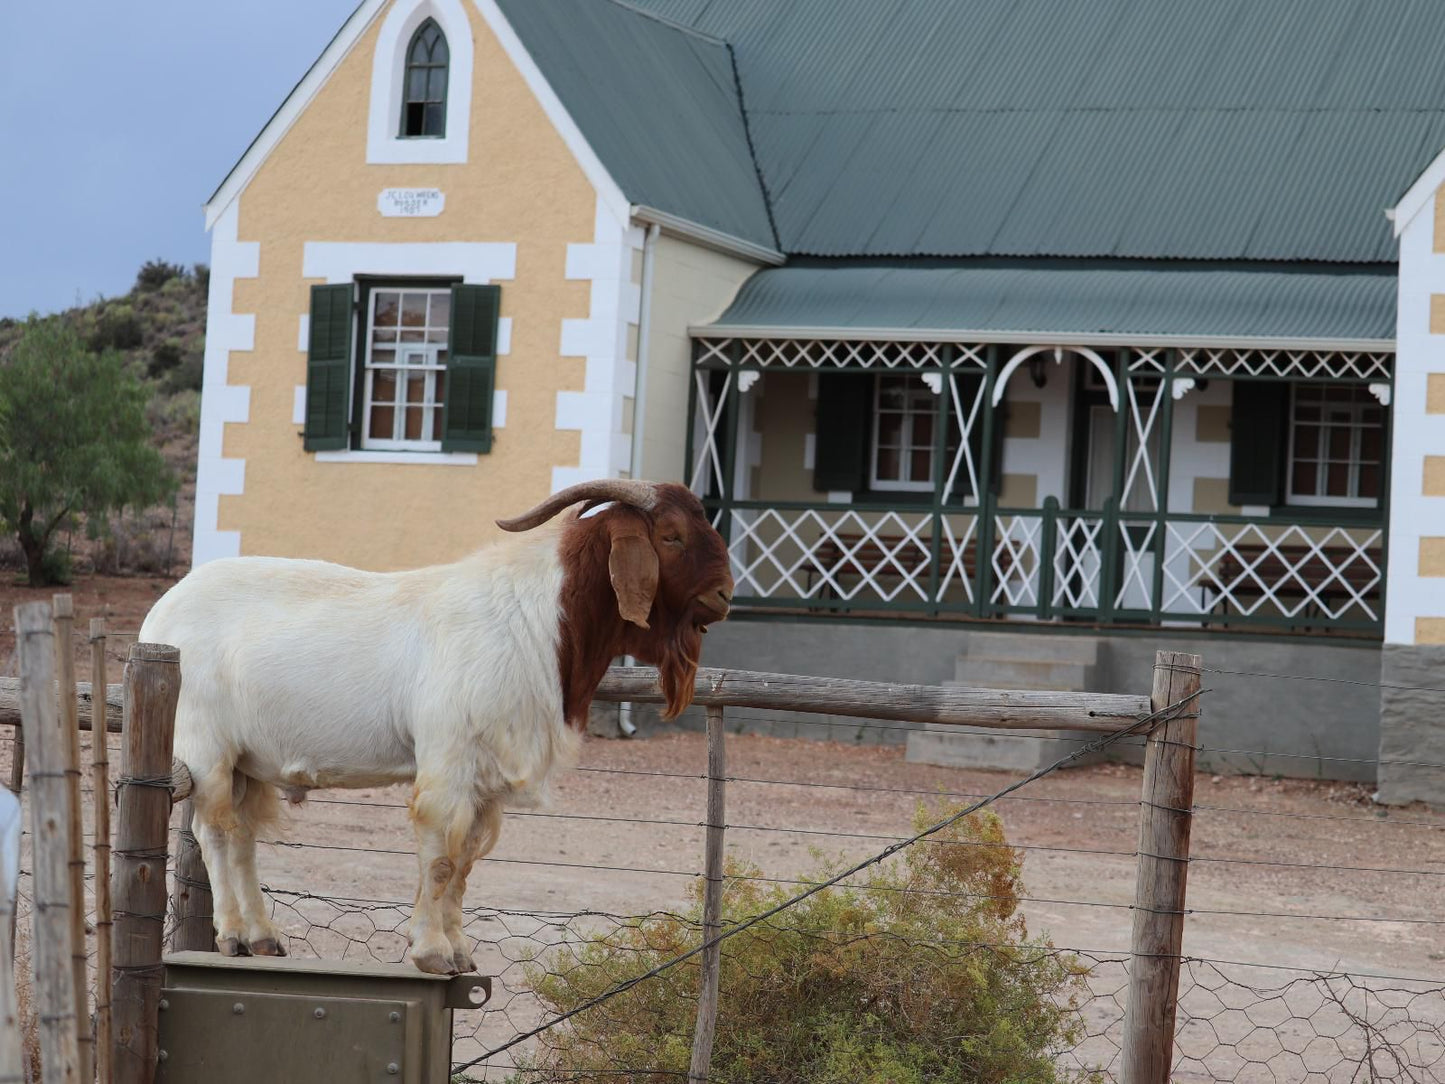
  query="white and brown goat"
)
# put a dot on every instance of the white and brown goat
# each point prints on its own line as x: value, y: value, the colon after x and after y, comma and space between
x: 471, y: 680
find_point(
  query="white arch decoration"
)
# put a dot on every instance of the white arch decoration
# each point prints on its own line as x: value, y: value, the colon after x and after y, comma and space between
x: 1058, y: 351
x: 388, y: 70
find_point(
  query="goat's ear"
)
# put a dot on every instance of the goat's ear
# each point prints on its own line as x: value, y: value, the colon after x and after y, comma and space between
x: 632, y: 567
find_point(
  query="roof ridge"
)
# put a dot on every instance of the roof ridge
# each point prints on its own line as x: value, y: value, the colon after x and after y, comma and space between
x: 671, y: 23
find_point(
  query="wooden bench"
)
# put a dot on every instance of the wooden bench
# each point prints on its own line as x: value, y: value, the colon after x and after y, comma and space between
x: 888, y: 556
x: 1334, y: 575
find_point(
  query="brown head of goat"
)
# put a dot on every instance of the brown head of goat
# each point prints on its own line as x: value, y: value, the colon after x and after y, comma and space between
x: 643, y: 577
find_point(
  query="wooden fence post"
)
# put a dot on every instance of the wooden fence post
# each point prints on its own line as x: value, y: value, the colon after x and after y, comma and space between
x: 63, y: 615
x: 706, y: 1026
x: 12, y: 1057
x: 50, y: 839
x: 191, y: 898
x: 100, y: 784
x: 1165, y: 816
x: 152, y: 687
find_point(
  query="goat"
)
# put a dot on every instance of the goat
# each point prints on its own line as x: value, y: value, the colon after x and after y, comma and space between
x: 472, y: 681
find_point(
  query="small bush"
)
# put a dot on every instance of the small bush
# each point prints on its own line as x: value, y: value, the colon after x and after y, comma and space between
x: 186, y: 376
x: 166, y: 356
x: 156, y: 273
x: 119, y: 328
x: 926, y: 974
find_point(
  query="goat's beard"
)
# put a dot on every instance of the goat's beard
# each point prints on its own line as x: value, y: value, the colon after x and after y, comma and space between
x: 678, y: 668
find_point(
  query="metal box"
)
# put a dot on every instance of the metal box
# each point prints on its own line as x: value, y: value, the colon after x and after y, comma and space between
x: 239, y: 1020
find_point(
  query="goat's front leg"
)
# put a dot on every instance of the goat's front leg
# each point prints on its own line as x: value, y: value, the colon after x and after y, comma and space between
x: 481, y: 837
x: 438, y: 817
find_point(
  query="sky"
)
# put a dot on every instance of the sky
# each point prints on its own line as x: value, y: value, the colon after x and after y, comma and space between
x: 118, y: 121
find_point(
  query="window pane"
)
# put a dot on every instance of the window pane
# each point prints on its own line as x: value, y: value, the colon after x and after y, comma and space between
x: 1307, y: 413
x: 413, y: 335
x: 890, y: 429
x: 388, y: 304
x: 436, y: 423
x: 923, y: 430
x: 413, y: 423
x: 441, y: 357
x: 437, y: 85
x: 436, y: 335
x: 382, y: 420
x: 1369, y: 482
x: 921, y: 466
x: 1306, y: 440
x: 1372, y: 415
x: 416, y: 387
x: 890, y: 395
x: 1303, y: 483
x: 439, y: 51
x: 1339, y: 443
x: 413, y: 310
x: 888, y: 465
x: 441, y: 395
x: 416, y: 85
x: 433, y: 123
x: 383, y: 386
x: 383, y: 357
x: 1308, y: 393
x: 1337, y: 480
x: 421, y: 48
x: 415, y: 119
x: 441, y: 309
x: 1340, y: 393
x: 1371, y: 440
x: 383, y: 335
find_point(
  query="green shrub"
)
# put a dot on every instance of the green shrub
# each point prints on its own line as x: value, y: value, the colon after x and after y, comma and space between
x: 117, y: 328
x: 166, y: 356
x: 925, y: 974
x: 156, y: 273
x: 201, y: 272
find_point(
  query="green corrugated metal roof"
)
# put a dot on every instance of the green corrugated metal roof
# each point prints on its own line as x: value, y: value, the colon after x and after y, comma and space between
x: 657, y: 102
x: 1216, y: 129
x: 1148, y: 301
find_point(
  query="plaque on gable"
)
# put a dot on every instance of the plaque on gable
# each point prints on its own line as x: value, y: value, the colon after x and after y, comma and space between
x: 410, y: 202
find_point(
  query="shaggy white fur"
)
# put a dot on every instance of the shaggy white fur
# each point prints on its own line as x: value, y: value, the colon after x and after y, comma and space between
x: 304, y: 674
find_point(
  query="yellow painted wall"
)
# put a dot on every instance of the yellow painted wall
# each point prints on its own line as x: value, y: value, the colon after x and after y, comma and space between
x: 690, y: 285
x: 522, y: 185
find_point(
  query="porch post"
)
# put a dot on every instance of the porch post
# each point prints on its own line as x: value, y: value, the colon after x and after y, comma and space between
x: 731, y: 415
x: 983, y: 530
x: 941, y: 418
x: 689, y: 466
x: 1161, y: 517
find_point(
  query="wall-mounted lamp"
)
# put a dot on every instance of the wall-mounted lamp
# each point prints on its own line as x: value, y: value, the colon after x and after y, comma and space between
x: 1038, y: 371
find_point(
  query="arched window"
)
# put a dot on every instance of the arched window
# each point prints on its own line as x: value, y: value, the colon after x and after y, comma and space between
x: 424, y: 97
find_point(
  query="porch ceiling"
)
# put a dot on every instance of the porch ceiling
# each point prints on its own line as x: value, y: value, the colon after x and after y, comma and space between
x: 1141, y: 303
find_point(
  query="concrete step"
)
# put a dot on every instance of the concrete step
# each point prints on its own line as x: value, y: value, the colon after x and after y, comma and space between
x: 988, y: 673
x: 1083, y: 650
x: 999, y: 750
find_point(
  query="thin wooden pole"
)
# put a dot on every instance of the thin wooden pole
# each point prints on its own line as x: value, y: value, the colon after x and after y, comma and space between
x: 152, y: 686
x: 100, y: 783
x: 191, y: 897
x: 63, y: 615
x: 706, y: 1027
x: 50, y: 839
x: 12, y: 1058
x: 1165, y: 816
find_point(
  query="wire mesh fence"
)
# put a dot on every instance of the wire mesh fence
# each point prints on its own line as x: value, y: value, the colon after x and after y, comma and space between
x: 588, y: 895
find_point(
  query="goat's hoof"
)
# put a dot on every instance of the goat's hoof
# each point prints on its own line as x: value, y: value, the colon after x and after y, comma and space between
x: 230, y: 946
x: 435, y: 963
x: 267, y: 946
x: 463, y: 963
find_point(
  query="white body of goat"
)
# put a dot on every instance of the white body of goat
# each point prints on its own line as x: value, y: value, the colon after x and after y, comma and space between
x: 304, y: 674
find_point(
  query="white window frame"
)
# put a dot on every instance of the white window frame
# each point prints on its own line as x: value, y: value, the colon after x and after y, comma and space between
x: 906, y: 484
x: 384, y: 143
x: 431, y: 440
x: 1322, y: 463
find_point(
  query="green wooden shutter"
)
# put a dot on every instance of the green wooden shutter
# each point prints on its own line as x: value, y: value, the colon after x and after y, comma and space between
x: 1259, y: 428
x: 844, y: 432
x: 328, y: 367
x: 471, y: 370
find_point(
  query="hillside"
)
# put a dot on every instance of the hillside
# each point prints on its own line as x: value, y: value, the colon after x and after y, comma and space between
x: 159, y: 327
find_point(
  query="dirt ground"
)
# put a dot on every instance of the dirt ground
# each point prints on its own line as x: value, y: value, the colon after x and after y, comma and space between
x: 1365, y: 882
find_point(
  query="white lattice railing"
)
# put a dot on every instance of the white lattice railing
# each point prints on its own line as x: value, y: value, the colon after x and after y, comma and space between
x: 1293, y: 572
x: 847, y: 554
x: 838, y: 353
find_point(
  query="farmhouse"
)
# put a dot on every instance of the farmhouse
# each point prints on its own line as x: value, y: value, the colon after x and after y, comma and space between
x: 1026, y: 332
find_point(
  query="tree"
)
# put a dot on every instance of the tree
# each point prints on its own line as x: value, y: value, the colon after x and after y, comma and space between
x: 73, y: 439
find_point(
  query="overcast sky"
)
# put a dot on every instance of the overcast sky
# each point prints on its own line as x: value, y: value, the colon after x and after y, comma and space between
x: 117, y: 122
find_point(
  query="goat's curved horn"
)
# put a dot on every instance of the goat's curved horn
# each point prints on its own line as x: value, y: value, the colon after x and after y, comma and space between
x: 632, y: 492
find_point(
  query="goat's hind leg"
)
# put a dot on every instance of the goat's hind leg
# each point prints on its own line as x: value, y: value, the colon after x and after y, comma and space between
x: 213, y: 817
x: 256, y: 808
